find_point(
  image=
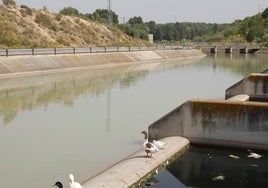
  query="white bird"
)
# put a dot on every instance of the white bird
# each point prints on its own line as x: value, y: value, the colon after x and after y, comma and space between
x: 72, y: 183
x: 234, y: 156
x: 158, y: 144
x: 150, y: 149
x: 218, y: 178
x: 254, y: 155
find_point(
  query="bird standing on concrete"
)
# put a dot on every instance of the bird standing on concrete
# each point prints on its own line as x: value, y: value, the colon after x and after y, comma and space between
x: 158, y: 144
x: 150, y: 149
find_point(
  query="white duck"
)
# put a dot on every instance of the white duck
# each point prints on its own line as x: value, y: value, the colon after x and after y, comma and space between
x: 72, y: 183
x: 158, y: 144
x: 150, y: 149
x: 254, y: 155
x: 218, y: 178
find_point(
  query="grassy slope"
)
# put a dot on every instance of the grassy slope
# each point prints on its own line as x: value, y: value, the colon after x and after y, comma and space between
x: 27, y: 28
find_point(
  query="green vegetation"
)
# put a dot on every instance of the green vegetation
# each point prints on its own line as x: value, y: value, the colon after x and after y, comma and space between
x: 251, y: 29
x: 26, y: 27
x: 135, y: 28
x: 102, y: 15
x: 69, y: 11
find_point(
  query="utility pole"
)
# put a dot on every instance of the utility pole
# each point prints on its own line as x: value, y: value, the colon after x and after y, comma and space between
x: 110, y: 20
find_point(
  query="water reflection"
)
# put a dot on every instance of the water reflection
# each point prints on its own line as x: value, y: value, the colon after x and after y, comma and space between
x: 237, y: 63
x: 26, y: 93
x: 204, y: 167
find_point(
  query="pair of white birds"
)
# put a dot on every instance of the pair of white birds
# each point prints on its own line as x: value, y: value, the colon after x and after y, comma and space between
x: 72, y: 183
x: 149, y: 147
x: 153, y: 146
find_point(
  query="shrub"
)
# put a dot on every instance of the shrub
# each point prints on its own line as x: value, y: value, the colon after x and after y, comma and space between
x: 9, y: 2
x: 265, y: 14
x: 54, y: 27
x: 43, y: 20
x: 63, y: 41
x: 26, y: 11
x: 58, y: 17
x: 70, y: 11
x: 24, y: 6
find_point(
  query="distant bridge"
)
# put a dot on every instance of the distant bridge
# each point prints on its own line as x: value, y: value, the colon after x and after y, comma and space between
x: 229, y: 47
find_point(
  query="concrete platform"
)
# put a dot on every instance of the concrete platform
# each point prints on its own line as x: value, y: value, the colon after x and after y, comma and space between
x: 132, y: 169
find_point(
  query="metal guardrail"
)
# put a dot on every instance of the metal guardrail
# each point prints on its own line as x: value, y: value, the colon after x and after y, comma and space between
x: 58, y: 51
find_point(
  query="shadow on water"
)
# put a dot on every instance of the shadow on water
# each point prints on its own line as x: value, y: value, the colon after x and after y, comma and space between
x: 213, y: 167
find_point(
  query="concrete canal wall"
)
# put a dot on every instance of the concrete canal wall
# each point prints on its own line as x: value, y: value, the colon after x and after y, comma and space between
x: 216, y: 122
x: 255, y: 85
x: 18, y: 65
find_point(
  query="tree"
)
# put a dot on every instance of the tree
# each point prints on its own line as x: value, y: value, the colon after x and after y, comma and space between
x: 255, y: 33
x: 152, y: 26
x: 70, y: 11
x: 135, y: 20
x: 9, y: 2
x: 102, y: 15
x: 264, y: 14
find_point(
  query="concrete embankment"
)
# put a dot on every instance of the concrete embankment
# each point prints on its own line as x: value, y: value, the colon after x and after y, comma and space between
x: 263, y: 50
x: 131, y: 170
x: 255, y: 86
x: 225, y: 123
x: 21, y: 65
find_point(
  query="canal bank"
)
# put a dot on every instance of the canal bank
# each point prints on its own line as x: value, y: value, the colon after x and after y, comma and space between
x: 35, y: 65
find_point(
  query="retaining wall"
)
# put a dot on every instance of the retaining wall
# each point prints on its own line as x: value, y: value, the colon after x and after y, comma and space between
x: 255, y: 85
x: 38, y: 64
x: 216, y: 122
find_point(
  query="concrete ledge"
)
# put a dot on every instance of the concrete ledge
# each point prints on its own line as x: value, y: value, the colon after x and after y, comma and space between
x: 132, y: 169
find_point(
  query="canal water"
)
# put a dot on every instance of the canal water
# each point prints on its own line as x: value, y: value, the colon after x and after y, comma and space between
x: 83, y: 121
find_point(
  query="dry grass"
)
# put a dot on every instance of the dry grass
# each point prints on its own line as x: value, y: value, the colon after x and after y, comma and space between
x: 27, y: 28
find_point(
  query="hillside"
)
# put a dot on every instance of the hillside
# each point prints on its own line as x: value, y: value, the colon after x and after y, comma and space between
x: 28, y: 28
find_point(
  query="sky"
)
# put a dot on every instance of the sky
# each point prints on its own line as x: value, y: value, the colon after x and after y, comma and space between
x: 161, y: 11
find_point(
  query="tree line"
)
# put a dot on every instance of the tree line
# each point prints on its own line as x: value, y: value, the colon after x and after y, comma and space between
x: 250, y: 29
